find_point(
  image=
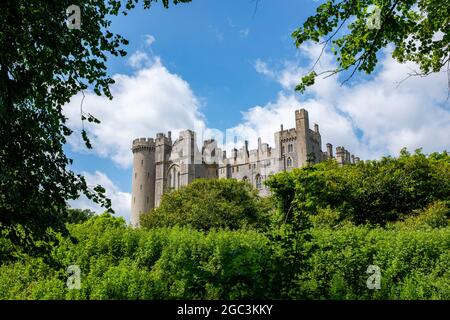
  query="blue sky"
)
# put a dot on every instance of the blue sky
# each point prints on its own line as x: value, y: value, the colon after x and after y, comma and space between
x: 221, y: 65
x: 213, y: 45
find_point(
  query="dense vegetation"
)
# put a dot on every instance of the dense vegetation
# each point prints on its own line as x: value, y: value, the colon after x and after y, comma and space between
x: 43, y: 64
x: 206, y: 204
x: 317, y: 244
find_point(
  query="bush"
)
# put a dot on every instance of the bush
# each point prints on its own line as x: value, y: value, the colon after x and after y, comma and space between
x: 206, y: 204
x: 436, y: 215
x: 118, y: 262
x: 374, y: 192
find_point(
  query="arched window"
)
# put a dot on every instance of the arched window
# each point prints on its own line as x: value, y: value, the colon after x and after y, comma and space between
x: 174, y: 177
x: 258, y: 181
x: 289, y: 162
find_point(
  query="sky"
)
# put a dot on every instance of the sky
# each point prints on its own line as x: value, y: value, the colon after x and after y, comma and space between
x: 229, y: 68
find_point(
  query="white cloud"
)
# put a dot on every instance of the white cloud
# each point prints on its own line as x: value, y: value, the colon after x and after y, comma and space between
x: 370, y: 117
x: 149, y: 39
x: 121, y: 201
x: 244, y: 33
x: 149, y: 101
x: 261, y: 67
x: 139, y: 59
x: 217, y: 33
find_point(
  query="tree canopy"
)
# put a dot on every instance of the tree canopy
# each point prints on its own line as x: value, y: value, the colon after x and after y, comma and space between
x: 206, y: 204
x: 43, y: 64
x: 419, y: 31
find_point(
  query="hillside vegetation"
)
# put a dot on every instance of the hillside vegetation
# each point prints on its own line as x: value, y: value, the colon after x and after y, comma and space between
x: 315, y: 238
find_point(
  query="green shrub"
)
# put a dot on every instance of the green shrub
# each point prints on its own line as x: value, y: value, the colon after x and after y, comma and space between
x: 436, y: 215
x: 374, y: 192
x: 205, y: 204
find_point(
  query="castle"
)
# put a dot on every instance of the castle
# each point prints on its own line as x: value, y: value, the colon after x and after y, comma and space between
x: 160, y: 165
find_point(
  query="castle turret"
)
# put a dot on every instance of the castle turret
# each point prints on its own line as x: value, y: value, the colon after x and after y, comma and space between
x: 163, y: 147
x: 302, y: 127
x: 143, y: 181
x: 329, y: 150
x: 340, y: 155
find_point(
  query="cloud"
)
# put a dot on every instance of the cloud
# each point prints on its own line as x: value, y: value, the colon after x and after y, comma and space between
x: 262, y: 68
x: 149, y: 101
x: 121, y: 201
x: 244, y: 33
x: 139, y: 59
x: 371, y: 117
x: 217, y: 33
x: 149, y: 39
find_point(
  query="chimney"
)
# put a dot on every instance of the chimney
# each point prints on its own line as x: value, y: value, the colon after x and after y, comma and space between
x: 330, y: 150
x: 281, y: 127
x: 316, y: 127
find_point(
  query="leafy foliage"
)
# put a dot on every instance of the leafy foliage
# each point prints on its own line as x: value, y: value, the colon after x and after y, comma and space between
x: 419, y: 31
x: 118, y: 262
x: 374, y: 192
x: 42, y: 65
x: 205, y: 204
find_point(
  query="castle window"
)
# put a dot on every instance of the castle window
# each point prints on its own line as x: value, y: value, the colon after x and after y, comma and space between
x: 258, y: 181
x: 140, y: 187
x: 290, y: 148
x: 282, y: 149
x: 254, y: 166
x: 142, y: 162
x: 289, y: 162
x: 135, y: 175
x: 237, y: 169
x: 245, y: 178
x: 249, y: 166
x: 148, y: 174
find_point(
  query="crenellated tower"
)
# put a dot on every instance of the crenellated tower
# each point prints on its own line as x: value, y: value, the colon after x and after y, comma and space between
x: 302, y: 128
x: 143, y: 181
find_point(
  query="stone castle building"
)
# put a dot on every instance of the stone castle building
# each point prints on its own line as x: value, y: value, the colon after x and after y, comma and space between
x: 160, y: 165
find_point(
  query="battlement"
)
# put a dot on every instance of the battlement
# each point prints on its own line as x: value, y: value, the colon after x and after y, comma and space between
x: 301, y: 113
x: 161, y: 138
x: 290, y: 134
x: 142, y: 144
x: 161, y: 164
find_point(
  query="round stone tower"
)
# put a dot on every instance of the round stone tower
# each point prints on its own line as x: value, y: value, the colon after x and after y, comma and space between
x: 143, y: 184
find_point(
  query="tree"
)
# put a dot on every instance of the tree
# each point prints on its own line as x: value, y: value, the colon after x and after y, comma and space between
x: 419, y: 31
x: 43, y: 64
x: 210, y: 203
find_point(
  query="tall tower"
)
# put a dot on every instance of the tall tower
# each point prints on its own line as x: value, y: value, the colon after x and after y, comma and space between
x: 163, y: 147
x: 143, y: 184
x: 302, y: 127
